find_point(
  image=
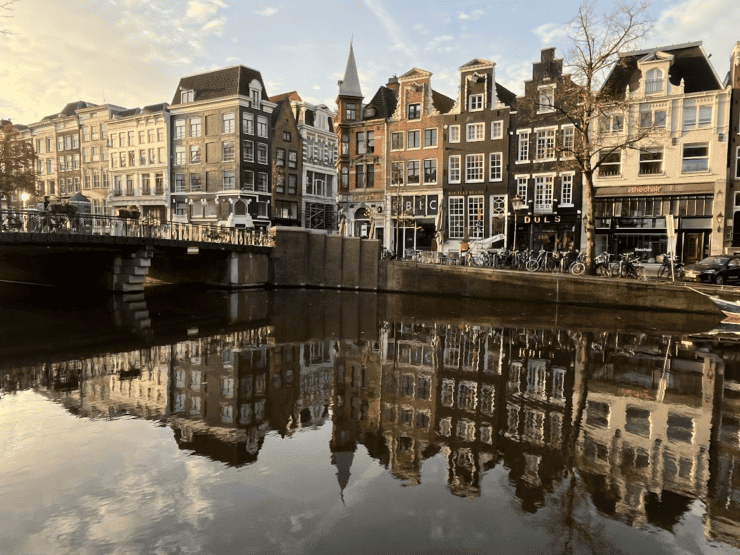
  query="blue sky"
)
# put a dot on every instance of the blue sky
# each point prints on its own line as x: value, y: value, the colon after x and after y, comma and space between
x: 132, y: 52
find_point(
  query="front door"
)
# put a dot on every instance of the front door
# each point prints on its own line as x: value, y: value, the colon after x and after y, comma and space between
x: 692, y: 251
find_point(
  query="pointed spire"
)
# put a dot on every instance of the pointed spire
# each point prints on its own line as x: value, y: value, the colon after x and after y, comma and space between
x: 350, y: 85
x: 343, y: 461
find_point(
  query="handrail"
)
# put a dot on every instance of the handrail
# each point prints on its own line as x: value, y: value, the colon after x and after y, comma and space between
x: 41, y: 222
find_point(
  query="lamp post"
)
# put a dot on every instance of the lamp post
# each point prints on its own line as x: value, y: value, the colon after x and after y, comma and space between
x: 516, y: 204
x: 24, y: 198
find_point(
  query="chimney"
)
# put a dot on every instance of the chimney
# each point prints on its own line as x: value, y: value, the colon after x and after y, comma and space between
x: 394, y: 85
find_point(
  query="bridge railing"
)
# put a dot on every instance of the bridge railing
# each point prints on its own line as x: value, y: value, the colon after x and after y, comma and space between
x: 40, y: 222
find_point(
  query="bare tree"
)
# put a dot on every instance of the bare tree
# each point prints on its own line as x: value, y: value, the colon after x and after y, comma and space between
x: 595, y: 110
x: 17, y: 164
x: 6, y: 8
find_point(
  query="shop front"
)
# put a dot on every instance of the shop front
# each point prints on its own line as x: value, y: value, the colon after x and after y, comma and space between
x: 413, y: 219
x: 558, y: 231
x: 638, y: 223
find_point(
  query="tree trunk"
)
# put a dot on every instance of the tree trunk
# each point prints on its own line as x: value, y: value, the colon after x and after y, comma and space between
x: 588, y: 221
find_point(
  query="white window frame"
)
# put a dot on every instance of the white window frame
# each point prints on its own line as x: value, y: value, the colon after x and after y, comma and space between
x: 408, y: 142
x: 476, y: 204
x: 475, y: 102
x: 702, y: 120
x: 474, y: 166
x: 454, y: 134
x: 399, y: 178
x: 497, y: 130
x: 522, y: 149
x: 397, y: 134
x: 475, y: 132
x: 569, y: 141
x: 684, y: 159
x: 436, y: 137
x: 228, y: 123
x: 187, y: 96
x: 456, y: 219
x: 542, y: 107
x: 495, y: 161
x: 454, y: 169
x: 418, y: 171
x: 544, y: 189
x: 262, y: 153
x: 262, y: 127
x: 179, y: 129
x: 522, y: 186
x: 248, y: 123
x: 566, y: 188
x: 225, y: 157
x: 545, y: 144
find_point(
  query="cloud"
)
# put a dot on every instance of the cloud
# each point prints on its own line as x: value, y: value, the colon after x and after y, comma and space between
x: 316, y: 88
x: 267, y: 12
x: 203, y: 9
x: 475, y: 14
x: 437, y: 44
x: 550, y: 33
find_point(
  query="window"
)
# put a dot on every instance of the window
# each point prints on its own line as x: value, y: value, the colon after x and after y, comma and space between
x: 456, y: 210
x: 60, y: 143
x: 86, y: 182
x: 262, y: 153
x: 292, y: 160
x: 396, y: 173
x: 95, y: 154
x: 96, y: 180
x: 49, y: 165
x: 195, y: 127
x: 475, y: 131
x: 651, y: 161
x: 142, y: 157
x: 412, y: 172
x: 130, y: 138
x: 649, y: 118
x: 430, y: 171
x: 689, y: 116
x: 129, y: 185
x: 227, y: 148
x: 345, y: 177
x: 362, y: 146
x: 546, y: 100
x: 414, y: 111
x: 75, y: 141
x: 179, y: 183
x: 248, y: 123
x: 360, y: 176
x: 397, y: 141
x: 286, y: 136
x: 474, y: 168
x: 695, y: 157
x: 149, y: 138
x: 737, y: 163
x: 161, y: 155
x: 292, y: 184
x: 229, y: 180
x: 523, y: 151
x: 454, y: 169
x: 475, y: 102
x: 76, y: 162
x: 351, y: 110
x: 152, y: 156
x: 545, y: 144
x: 543, y: 187
x: 497, y: 129
x: 705, y: 116
x: 179, y: 129
x: 187, y: 96
x: 475, y: 217
x: 654, y: 81
x: 454, y: 133
x: 256, y: 97
x: 521, y: 188
x: 262, y: 183
x: 195, y: 182
x: 430, y: 138
x: 195, y: 154
x: 569, y: 140
x: 145, y: 188
x: 85, y: 133
x: 68, y: 142
x: 116, y: 185
x: 86, y: 154
x: 345, y: 144
x: 248, y: 181
x: 248, y: 149
x: 611, y: 165
x: 227, y: 123
x: 566, y: 190
x: 262, y: 127
x: 280, y: 157
x: 413, y: 139
x: 142, y: 137
x: 494, y: 171
x: 131, y: 158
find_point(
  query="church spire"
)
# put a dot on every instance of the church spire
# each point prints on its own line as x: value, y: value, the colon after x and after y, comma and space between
x: 350, y: 85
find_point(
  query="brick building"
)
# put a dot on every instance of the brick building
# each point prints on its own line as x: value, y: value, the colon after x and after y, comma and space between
x: 287, y: 164
x: 733, y: 195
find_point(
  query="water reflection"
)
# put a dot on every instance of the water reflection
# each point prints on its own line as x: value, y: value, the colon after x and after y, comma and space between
x: 641, y: 425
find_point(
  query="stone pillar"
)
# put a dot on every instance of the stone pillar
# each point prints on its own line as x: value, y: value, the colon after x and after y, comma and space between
x: 130, y: 271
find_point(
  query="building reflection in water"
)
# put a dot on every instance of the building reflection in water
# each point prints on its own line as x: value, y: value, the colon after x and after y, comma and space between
x: 646, y: 424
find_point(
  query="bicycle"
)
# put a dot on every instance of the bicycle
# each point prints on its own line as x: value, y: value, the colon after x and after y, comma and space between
x: 630, y: 267
x: 578, y: 268
x: 543, y: 261
x: 603, y: 268
x: 665, y: 267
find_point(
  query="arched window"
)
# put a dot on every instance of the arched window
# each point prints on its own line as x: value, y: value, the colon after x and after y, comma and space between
x: 345, y: 143
x: 240, y: 208
x: 654, y: 81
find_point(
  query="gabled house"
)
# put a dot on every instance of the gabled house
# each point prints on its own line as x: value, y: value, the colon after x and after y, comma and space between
x: 287, y: 164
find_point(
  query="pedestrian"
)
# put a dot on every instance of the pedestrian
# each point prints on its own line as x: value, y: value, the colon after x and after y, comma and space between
x: 46, y: 202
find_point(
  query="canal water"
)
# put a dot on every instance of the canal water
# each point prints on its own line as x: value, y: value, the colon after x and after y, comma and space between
x: 301, y: 422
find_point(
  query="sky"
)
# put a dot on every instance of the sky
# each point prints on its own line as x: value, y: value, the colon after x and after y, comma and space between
x: 132, y: 53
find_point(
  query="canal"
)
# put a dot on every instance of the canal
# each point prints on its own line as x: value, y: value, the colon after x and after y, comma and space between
x: 302, y: 422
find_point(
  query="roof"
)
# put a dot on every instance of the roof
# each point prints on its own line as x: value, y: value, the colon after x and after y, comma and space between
x: 384, y: 102
x: 130, y: 112
x: 505, y: 95
x: 442, y: 103
x: 292, y: 95
x: 690, y: 64
x: 155, y: 107
x: 72, y: 107
x: 278, y: 110
x: 219, y: 83
x: 350, y: 85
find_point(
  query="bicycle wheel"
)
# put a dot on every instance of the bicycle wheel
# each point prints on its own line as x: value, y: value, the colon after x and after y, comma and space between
x: 578, y: 268
x: 532, y: 265
x: 604, y: 271
x: 640, y: 273
x: 551, y: 265
x: 624, y: 271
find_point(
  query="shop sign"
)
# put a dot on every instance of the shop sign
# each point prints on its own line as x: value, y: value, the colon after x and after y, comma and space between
x: 548, y: 219
x: 366, y: 197
x: 420, y: 205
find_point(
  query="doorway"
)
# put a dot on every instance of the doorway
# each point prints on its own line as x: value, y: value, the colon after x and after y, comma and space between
x: 692, y: 247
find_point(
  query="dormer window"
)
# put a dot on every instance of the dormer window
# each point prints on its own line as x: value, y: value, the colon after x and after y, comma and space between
x: 414, y: 111
x: 255, y: 94
x: 546, y: 99
x: 475, y: 102
x: 187, y: 96
x: 654, y: 81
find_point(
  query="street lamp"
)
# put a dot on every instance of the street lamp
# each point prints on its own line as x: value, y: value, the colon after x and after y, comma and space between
x: 517, y: 204
x: 24, y: 198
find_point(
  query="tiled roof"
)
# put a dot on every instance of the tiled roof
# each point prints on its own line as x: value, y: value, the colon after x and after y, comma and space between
x: 72, y: 107
x: 384, y: 103
x: 442, y: 103
x: 690, y: 64
x: 229, y: 81
x: 127, y: 113
x: 155, y: 107
x: 292, y: 95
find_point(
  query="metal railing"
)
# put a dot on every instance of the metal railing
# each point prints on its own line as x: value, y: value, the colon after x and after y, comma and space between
x: 38, y: 222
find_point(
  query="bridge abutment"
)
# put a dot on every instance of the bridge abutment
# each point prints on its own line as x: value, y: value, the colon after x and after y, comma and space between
x: 130, y: 271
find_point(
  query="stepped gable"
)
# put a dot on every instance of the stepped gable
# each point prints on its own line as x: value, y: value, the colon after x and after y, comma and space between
x: 384, y: 102
x: 229, y: 81
x: 690, y: 64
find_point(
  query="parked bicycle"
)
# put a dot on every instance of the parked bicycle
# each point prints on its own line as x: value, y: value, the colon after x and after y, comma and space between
x: 543, y: 261
x: 602, y: 265
x: 665, y: 267
x: 631, y: 267
x: 578, y: 267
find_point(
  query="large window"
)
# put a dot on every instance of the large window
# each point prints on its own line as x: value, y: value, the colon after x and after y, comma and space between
x: 360, y: 176
x: 476, y: 131
x: 474, y: 168
x: 430, y: 171
x: 397, y: 141
x: 179, y: 130
x: 456, y: 210
x: 651, y: 161
x: 546, y: 99
x: 611, y: 164
x: 545, y: 144
x: 650, y: 117
x: 396, y: 173
x: 413, y: 139
x: 412, y: 172
x: 195, y: 128
x: 228, y: 151
x: 523, y: 147
x: 430, y: 138
x: 454, y: 169
x: 261, y: 153
x: 248, y: 151
x: 543, y: 189
x: 695, y: 157
x: 248, y: 123
x: 414, y: 111
x: 363, y: 146
x: 262, y: 127
x: 475, y: 217
x: 229, y: 180
x: 566, y: 190
x: 475, y: 102
x: 227, y: 123
x: 494, y: 166
x: 654, y: 81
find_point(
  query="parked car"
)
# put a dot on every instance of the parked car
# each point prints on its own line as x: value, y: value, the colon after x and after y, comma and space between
x: 720, y: 269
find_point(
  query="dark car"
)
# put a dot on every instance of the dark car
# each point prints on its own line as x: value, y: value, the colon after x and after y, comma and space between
x: 720, y: 269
